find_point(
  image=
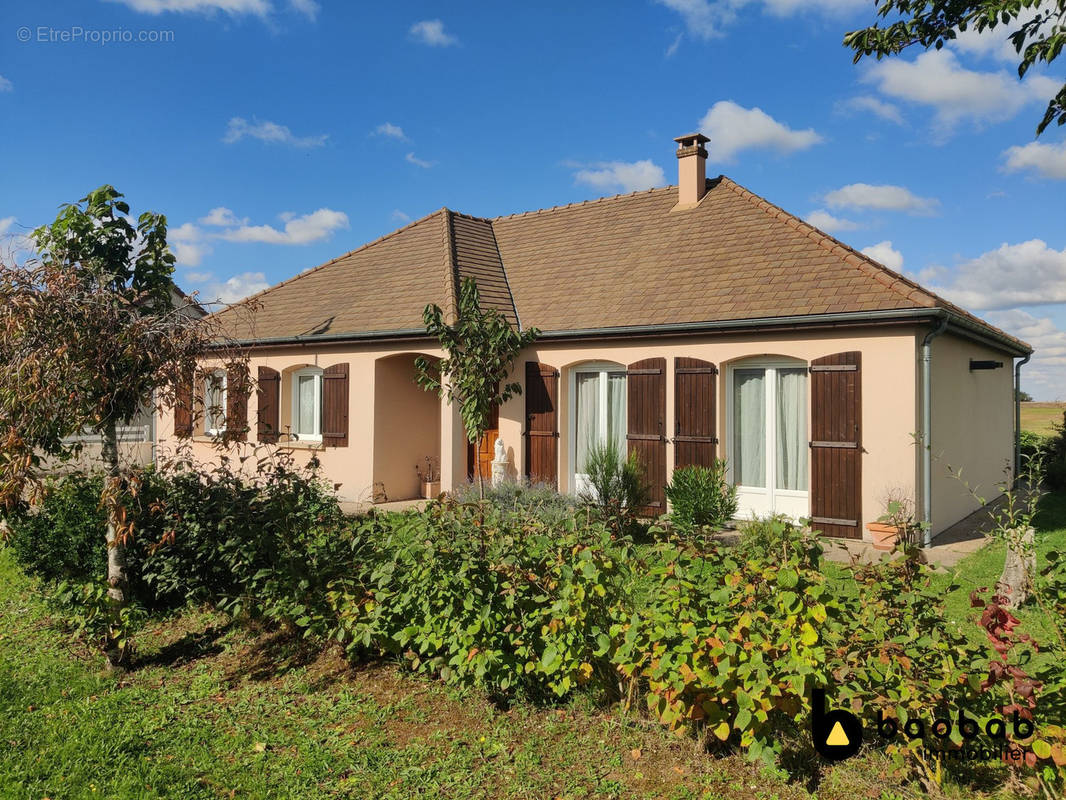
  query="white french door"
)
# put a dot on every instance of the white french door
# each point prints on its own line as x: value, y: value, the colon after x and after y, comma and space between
x: 598, y: 411
x: 768, y: 438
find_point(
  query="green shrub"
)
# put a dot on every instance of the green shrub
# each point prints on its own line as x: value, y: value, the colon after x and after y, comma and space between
x: 549, y: 504
x: 617, y: 489
x: 88, y: 613
x: 701, y: 496
x: 63, y: 537
x: 480, y: 597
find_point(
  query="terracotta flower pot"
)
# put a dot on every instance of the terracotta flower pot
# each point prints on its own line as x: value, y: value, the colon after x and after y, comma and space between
x: 884, y: 536
x: 430, y: 489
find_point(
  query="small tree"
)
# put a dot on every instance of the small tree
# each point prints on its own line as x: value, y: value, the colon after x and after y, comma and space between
x: 89, y: 335
x: 481, y: 347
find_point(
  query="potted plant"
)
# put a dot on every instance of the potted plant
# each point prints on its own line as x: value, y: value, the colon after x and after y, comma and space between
x: 896, y: 525
x: 429, y: 475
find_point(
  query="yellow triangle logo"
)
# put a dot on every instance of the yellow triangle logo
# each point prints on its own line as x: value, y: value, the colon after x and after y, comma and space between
x: 837, y: 737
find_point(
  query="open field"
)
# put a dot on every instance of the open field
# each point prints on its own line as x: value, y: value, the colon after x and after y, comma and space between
x: 214, y: 709
x: 1038, y: 417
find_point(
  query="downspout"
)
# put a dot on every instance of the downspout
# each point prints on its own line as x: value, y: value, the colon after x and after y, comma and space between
x: 927, y: 422
x: 1018, y: 418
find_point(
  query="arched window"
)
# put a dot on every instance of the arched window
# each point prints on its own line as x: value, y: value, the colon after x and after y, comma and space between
x: 597, y: 413
x: 215, y: 402
x: 307, y: 404
x: 768, y: 435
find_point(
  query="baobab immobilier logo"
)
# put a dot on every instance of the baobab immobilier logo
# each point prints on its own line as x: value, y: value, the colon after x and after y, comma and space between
x: 838, y: 734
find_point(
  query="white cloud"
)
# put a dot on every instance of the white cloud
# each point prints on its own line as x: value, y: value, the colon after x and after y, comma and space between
x: 884, y: 253
x: 188, y: 244
x: 391, y: 131
x: 1028, y: 273
x: 305, y: 229
x: 1045, y: 376
x: 222, y: 217
x: 1047, y: 160
x: 399, y: 216
x: 431, y: 32
x: 211, y: 291
x: 259, y: 8
x: 936, y: 79
x: 309, y: 8
x: 6, y: 85
x: 267, y: 131
x: 883, y: 197
x: 864, y: 104
x: 733, y: 128
x: 823, y: 220
x: 674, y: 45
x: 705, y: 19
x: 6, y: 224
x: 625, y: 176
x: 411, y: 158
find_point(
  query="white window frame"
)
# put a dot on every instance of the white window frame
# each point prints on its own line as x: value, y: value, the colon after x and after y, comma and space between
x: 770, y: 492
x: 294, y: 382
x: 603, y: 368
x: 211, y: 426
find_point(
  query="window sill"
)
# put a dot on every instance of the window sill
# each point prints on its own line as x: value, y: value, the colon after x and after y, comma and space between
x: 302, y: 444
x: 207, y: 438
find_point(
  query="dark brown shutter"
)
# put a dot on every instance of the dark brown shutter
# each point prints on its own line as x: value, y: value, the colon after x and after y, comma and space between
x: 836, y: 445
x: 237, y: 405
x: 199, y: 404
x: 542, y: 423
x: 335, y: 406
x: 269, y: 396
x: 183, y: 409
x: 645, y: 431
x: 695, y: 435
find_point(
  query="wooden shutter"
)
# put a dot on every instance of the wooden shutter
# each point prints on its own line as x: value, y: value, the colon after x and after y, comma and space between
x: 199, y: 404
x: 269, y: 396
x: 237, y: 405
x: 542, y: 423
x: 183, y: 409
x: 695, y: 435
x: 335, y: 406
x: 836, y: 445
x: 645, y: 431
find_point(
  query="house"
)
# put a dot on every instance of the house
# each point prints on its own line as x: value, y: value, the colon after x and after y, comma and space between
x: 684, y: 322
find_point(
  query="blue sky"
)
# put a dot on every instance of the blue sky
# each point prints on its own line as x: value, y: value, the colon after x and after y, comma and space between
x: 277, y: 134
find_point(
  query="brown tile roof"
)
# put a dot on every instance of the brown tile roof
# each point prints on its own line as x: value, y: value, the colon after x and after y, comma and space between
x: 629, y: 260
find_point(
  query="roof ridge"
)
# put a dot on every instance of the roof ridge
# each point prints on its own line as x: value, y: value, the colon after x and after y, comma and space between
x: 591, y: 202
x: 875, y: 269
x: 879, y: 272
x: 451, y: 297
x: 360, y: 248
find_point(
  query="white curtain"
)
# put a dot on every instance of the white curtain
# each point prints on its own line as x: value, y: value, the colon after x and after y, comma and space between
x: 749, y: 427
x: 616, y: 410
x: 587, y: 424
x: 792, y: 429
x: 305, y: 405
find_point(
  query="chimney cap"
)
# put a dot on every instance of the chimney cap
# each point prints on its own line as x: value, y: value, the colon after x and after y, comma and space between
x: 690, y: 139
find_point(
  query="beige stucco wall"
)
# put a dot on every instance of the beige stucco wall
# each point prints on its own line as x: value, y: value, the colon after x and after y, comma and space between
x: 888, y: 406
x: 406, y: 427
x: 972, y: 427
x: 393, y: 424
x: 351, y: 468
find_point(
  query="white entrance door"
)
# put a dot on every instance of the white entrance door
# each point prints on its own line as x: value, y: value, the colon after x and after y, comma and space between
x: 598, y: 411
x: 768, y: 438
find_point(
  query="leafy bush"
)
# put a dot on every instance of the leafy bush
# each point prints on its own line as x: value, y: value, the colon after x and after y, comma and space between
x: 482, y: 597
x: 1054, y: 460
x: 701, y: 496
x: 88, y: 613
x: 63, y: 537
x: 550, y: 505
x: 617, y: 489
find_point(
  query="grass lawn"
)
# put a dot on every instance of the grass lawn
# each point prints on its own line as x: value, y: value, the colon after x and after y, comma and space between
x: 218, y: 710
x: 1038, y: 417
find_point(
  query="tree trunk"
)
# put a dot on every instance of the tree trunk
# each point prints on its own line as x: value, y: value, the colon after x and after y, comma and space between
x: 1016, y: 582
x: 117, y: 585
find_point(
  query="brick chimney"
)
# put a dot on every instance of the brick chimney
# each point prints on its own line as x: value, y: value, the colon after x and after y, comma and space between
x: 691, y: 168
